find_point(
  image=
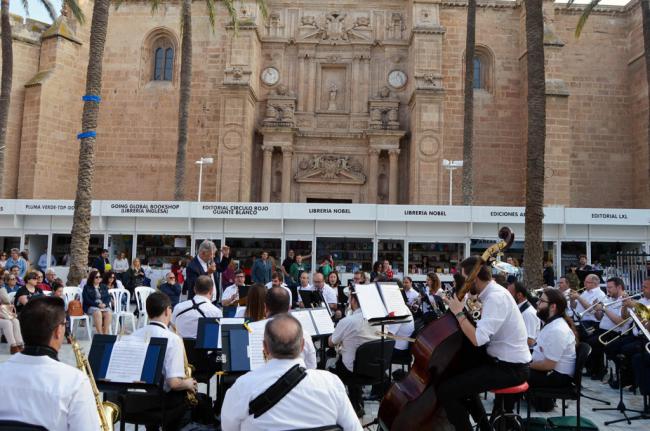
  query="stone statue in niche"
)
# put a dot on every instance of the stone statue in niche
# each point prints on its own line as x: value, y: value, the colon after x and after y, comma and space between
x: 395, y: 26
x: 333, y: 90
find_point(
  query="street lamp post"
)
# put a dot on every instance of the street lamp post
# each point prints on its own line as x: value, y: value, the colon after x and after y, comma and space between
x: 451, y: 166
x: 201, y: 162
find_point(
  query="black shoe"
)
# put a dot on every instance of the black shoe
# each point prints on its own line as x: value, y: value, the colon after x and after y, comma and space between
x: 598, y: 376
x: 613, y: 383
x: 372, y: 397
x: 360, y: 412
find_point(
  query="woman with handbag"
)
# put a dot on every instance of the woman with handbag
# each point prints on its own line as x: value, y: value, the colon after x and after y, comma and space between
x: 9, y: 324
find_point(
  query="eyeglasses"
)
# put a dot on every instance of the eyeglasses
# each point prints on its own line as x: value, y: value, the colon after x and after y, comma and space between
x: 12, y: 279
x: 98, y: 276
x: 543, y: 300
x: 240, y: 276
x: 171, y: 278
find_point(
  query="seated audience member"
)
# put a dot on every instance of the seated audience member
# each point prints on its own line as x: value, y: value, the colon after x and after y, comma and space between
x: 46, y: 392
x: 351, y: 332
x: 318, y: 399
x: 10, y: 282
x: 28, y: 291
x: 187, y: 313
x: 15, y: 271
x: 96, y: 302
x: 171, y: 288
x: 277, y: 302
x: 554, y: 355
x: 528, y: 312
x: 255, y: 303
x: 50, y: 276
x: 41, y: 282
x: 159, y: 310
x: 9, y: 324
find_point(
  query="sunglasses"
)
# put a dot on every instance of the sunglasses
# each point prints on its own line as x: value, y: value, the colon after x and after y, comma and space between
x: 98, y: 276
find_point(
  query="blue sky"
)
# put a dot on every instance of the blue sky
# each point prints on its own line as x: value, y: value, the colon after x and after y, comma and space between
x: 38, y: 12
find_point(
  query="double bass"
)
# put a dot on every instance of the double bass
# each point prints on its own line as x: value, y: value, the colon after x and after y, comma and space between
x: 411, y: 403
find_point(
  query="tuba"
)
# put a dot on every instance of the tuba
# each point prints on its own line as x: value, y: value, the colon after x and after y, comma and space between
x: 108, y: 412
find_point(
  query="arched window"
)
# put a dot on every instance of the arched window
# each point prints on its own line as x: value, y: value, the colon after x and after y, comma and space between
x: 478, y: 82
x: 483, y: 65
x: 163, y: 64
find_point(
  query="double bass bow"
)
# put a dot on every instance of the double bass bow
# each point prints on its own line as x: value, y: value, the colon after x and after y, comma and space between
x: 411, y: 403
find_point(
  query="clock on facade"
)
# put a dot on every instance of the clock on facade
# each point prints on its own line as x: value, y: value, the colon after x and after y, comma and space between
x: 270, y: 76
x: 397, y: 79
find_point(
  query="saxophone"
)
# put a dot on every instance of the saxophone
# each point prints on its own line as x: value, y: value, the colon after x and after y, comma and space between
x: 190, y: 396
x: 108, y: 412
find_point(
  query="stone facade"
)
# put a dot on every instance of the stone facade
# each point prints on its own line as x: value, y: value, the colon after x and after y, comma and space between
x: 357, y: 102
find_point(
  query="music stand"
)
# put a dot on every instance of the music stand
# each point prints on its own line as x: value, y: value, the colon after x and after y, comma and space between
x: 243, y: 293
x: 207, y: 333
x: 229, y: 311
x: 310, y: 298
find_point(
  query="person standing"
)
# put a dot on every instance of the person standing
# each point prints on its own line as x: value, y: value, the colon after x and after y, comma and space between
x: 204, y: 264
x: 286, y: 265
x: 120, y: 266
x: 262, y: 269
x: 101, y: 262
x: 502, y: 330
x: 17, y: 260
x: 43, y: 263
x: 46, y: 392
x: 549, y: 274
x: 297, y: 268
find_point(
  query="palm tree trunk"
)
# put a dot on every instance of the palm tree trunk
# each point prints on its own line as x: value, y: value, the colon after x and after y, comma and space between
x: 645, y: 10
x: 468, y: 121
x: 184, y: 102
x: 5, y: 87
x: 533, y: 246
x: 83, y: 199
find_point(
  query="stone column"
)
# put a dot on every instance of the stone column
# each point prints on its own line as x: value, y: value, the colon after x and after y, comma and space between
x: 287, y: 154
x: 373, y: 167
x: 393, y: 156
x: 266, y: 173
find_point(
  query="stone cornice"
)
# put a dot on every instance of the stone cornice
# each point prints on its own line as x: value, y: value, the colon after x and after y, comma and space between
x: 480, y: 4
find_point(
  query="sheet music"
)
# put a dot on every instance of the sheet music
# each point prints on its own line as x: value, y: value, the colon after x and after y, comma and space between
x: 371, y: 303
x: 127, y: 359
x: 227, y: 321
x: 255, y: 343
x: 305, y: 320
x: 393, y: 299
x: 240, y: 311
x: 323, y: 321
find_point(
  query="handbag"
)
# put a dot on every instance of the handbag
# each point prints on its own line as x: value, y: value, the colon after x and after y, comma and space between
x: 75, y: 308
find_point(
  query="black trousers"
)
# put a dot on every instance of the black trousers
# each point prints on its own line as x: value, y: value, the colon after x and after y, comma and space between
x: 641, y: 367
x: 545, y: 379
x: 355, y: 392
x: 628, y: 346
x: 596, y: 362
x: 459, y: 394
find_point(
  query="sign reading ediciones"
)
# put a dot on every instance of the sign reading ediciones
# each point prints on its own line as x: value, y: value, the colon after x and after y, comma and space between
x: 238, y: 210
x: 552, y: 215
x: 146, y: 209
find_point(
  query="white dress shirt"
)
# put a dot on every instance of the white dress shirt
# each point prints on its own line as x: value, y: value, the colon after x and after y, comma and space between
x: 501, y: 326
x: 318, y: 400
x: 606, y: 323
x: 351, y: 332
x: 284, y: 286
x: 590, y: 296
x: 330, y: 295
x: 204, y: 265
x: 411, y: 296
x: 532, y: 322
x: 174, y: 365
x: 402, y: 330
x: 308, y: 354
x: 230, y: 291
x: 187, y: 323
x: 557, y: 342
x: 42, y: 391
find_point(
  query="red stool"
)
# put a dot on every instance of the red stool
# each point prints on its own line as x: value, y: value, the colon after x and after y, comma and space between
x: 499, y: 412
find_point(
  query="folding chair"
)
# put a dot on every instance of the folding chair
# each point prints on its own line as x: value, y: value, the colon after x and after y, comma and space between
x: 141, y: 295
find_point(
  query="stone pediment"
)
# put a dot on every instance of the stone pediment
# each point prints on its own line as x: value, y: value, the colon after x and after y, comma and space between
x: 335, y: 27
x: 330, y: 169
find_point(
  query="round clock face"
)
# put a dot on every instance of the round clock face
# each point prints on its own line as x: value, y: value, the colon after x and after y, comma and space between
x: 270, y: 76
x: 397, y: 79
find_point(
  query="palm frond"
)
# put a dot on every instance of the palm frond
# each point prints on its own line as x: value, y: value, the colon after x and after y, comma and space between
x: 585, y: 16
x: 232, y: 13
x: 25, y: 6
x: 264, y: 10
x: 49, y: 7
x: 210, y: 7
x: 75, y: 9
x: 155, y: 4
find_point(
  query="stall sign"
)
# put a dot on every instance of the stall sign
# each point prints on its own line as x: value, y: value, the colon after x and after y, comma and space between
x: 235, y: 210
x: 552, y: 215
x: 50, y: 207
x: 333, y: 212
x: 607, y: 216
x: 145, y: 209
x: 7, y: 207
x: 423, y: 213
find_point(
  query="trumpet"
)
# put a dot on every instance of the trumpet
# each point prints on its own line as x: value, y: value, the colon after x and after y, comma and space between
x: 639, y: 314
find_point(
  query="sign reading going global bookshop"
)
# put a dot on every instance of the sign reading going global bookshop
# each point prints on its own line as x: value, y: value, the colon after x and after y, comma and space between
x: 236, y: 210
x: 144, y: 209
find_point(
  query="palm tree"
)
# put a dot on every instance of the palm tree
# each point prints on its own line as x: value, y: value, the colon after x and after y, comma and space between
x: 83, y: 200
x: 468, y: 121
x: 8, y: 63
x: 533, y: 246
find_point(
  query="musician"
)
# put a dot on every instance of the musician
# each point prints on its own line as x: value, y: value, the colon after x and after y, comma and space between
x: 528, y: 312
x: 351, y: 332
x: 554, y: 355
x: 412, y: 295
x: 159, y: 310
x: 608, y: 317
x: 360, y: 277
x: 327, y: 292
x: 583, y: 266
x: 563, y: 286
x: 230, y: 294
x: 187, y: 313
x: 204, y: 264
x: 317, y: 400
x: 39, y: 390
x: 277, y: 302
x: 276, y: 281
x: 583, y: 301
x: 502, y: 330
x: 433, y: 304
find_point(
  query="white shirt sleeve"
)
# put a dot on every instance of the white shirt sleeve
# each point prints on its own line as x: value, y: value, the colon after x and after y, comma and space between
x: 554, y: 346
x: 309, y: 352
x: 347, y: 418
x: 237, y: 408
x: 174, y: 360
x: 340, y: 331
x: 82, y: 409
x: 532, y: 324
x: 491, y: 321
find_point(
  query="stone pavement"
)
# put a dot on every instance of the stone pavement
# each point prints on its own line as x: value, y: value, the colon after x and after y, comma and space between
x: 591, y: 388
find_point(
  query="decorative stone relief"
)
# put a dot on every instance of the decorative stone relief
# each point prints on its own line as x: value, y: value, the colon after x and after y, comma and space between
x: 395, y: 27
x: 384, y: 111
x: 275, y: 26
x: 428, y: 81
x: 330, y: 169
x: 280, y: 108
x: 236, y: 75
x: 335, y: 27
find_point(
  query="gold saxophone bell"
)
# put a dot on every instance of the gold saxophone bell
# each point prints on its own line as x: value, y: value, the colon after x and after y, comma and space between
x: 640, y: 310
x: 108, y: 412
x: 190, y: 396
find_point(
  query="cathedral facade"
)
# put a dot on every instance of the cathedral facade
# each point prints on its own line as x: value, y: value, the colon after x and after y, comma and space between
x: 334, y: 101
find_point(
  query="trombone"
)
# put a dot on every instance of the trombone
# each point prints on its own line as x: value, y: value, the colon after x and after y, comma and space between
x: 638, y: 315
x: 607, y: 304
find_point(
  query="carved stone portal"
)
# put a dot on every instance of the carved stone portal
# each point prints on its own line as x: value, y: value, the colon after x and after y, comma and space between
x: 330, y: 169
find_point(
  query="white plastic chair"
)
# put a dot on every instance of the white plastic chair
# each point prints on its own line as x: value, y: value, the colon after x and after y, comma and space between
x: 70, y: 293
x: 12, y: 296
x: 141, y: 295
x: 120, y: 307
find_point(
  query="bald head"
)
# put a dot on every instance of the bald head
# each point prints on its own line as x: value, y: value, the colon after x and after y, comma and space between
x: 283, y: 337
x: 276, y: 301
